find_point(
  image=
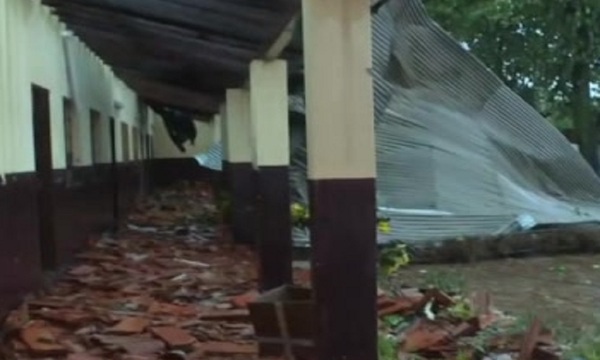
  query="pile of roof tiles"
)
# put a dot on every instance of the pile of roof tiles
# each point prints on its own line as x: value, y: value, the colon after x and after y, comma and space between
x: 186, y: 208
x: 162, y: 293
x: 434, y: 325
x: 139, y: 298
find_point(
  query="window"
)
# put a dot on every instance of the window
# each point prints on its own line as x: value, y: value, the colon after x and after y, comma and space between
x: 125, y: 142
x: 69, y: 128
x: 96, y: 136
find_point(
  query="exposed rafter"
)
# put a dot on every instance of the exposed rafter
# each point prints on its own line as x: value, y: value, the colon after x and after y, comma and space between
x: 168, y: 13
x: 181, y: 53
x: 159, y: 92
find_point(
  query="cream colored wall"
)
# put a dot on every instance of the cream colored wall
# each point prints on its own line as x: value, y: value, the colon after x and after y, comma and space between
x: 31, y: 51
x: 164, y: 148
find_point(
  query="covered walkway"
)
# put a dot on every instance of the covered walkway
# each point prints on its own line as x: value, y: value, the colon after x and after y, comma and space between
x: 231, y: 63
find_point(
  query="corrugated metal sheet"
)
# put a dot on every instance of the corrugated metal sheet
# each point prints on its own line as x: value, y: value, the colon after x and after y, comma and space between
x: 213, y: 158
x: 452, y: 140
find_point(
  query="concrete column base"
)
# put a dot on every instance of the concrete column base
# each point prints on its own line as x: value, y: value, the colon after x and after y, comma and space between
x: 274, y: 236
x: 344, y: 255
x: 241, y: 184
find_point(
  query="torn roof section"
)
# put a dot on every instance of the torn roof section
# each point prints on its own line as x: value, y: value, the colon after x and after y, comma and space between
x: 179, y: 56
x: 459, y: 154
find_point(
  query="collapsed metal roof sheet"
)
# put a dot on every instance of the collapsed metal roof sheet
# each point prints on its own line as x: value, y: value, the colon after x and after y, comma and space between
x: 458, y: 153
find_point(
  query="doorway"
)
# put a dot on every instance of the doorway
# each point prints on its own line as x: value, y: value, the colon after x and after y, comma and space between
x: 114, y: 174
x: 44, y: 175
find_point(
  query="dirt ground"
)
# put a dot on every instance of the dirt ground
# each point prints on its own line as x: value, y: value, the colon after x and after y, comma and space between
x: 562, y: 290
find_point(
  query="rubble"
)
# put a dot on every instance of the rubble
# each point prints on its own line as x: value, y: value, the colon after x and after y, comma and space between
x: 173, y: 294
x: 113, y: 306
x: 435, y: 325
x: 187, y: 209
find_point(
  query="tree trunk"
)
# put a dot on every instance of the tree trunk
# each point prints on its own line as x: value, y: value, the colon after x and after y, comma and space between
x: 583, y: 116
x: 581, y: 76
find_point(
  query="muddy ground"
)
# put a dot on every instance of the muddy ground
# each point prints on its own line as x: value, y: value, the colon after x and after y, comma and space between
x: 562, y: 290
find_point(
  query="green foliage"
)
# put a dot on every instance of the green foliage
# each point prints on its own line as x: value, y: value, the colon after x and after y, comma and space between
x: 464, y: 355
x: 583, y: 343
x: 462, y: 310
x: 448, y: 282
x: 546, y: 51
x: 393, y: 257
x: 587, y: 347
x: 300, y: 215
x: 387, y: 347
x: 301, y: 218
x: 393, y: 320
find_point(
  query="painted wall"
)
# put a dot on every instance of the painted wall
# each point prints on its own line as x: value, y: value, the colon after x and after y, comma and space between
x: 36, y: 48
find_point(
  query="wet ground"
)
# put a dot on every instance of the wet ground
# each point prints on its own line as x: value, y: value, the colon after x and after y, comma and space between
x: 562, y: 290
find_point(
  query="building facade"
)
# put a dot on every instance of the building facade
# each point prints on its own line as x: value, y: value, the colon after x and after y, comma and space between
x: 75, y: 146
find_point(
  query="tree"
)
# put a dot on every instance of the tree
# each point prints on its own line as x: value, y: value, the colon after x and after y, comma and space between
x: 546, y: 51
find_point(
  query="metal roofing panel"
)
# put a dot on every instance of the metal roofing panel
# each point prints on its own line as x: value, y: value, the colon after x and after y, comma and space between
x: 452, y: 139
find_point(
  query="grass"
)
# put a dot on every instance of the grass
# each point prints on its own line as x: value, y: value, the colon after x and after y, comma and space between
x: 387, y: 347
x: 582, y: 344
x: 578, y: 344
x: 448, y: 282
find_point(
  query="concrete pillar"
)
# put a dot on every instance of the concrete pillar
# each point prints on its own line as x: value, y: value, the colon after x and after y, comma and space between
x: 341, y: 171
x: 237, y: 145
x: 271, y: 157
x: 220, y: 120
x: 4, y: 90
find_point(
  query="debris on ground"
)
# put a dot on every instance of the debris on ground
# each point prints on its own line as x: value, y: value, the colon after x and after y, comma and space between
x: 187, y: 209
x: 435, y: 325
x: 116, y: 306
x: 172, y: 288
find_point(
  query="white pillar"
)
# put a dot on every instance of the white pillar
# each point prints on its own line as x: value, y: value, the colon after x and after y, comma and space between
x: 221, y: 119
x: 239, y: 128
x: 239, y: 173
x: 341, y: 171
x: 269, y: 112
x: 270, y: 129
x: 217, y: 129
x: 339, y: 92
x: 4, y: 91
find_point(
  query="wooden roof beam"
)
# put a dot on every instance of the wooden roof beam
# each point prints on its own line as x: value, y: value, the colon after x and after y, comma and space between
x: 169, y: 95
x: 263, y: 7
x: 169, y: 13
x: 120, y: 54
x: 146, y: 48
x: 148, y: 32
x: 283, y: 40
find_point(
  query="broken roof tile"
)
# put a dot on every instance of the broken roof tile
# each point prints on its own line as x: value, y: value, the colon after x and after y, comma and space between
x: 227, y: 348
x: 226, y: 315
x: 174, y: 337
x: 129, y: 325
x: 40, y: 339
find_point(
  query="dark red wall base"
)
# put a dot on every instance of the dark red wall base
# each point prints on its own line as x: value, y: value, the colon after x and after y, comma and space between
x: 165, y: 172
x: 20, y: 265
x: 82, y: 205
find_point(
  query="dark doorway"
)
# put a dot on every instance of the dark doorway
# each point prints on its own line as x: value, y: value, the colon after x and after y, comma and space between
x: 43, y: 168
x: 114, y: 174
x: 97, y: 144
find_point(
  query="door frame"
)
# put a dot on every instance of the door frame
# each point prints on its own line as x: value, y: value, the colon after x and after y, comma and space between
x: 42, y: 144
